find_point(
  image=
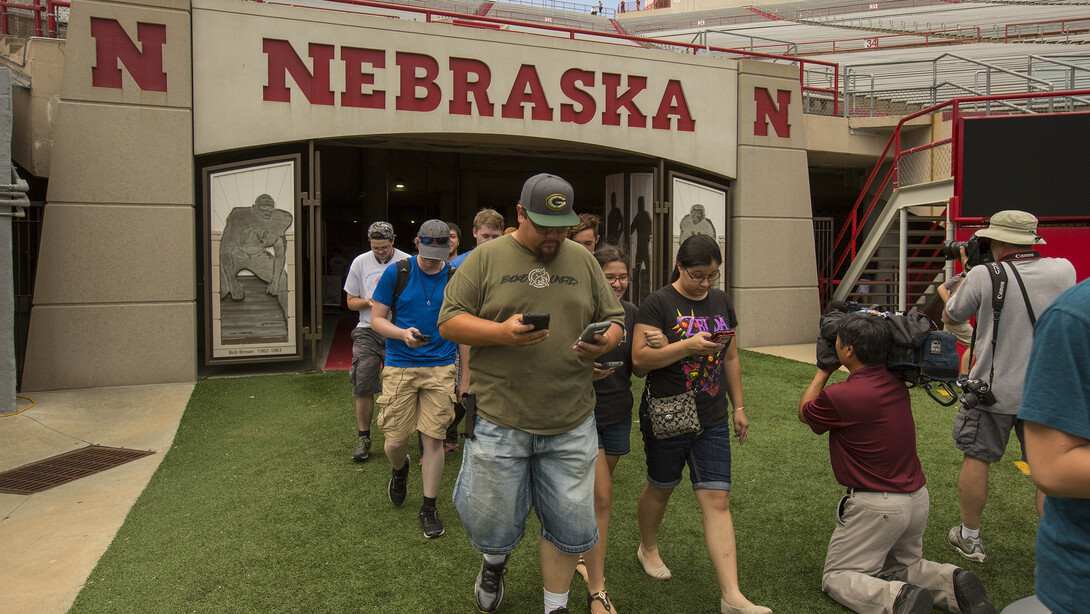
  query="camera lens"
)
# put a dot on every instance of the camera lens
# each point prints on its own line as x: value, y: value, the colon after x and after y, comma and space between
x: 950, y: 251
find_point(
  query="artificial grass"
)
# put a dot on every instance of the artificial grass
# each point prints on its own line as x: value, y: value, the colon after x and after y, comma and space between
x: 257, y: 507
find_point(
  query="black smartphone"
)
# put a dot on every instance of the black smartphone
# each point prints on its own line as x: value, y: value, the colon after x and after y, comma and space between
x: 613, y: 364
x: 595, y: 328
x: 420, y: 337
x: 539, y: 321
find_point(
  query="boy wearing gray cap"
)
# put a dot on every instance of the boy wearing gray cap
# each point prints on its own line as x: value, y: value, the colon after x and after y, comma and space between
x: 534, y: 439
x: 368, y: 347
x: 418, y: 379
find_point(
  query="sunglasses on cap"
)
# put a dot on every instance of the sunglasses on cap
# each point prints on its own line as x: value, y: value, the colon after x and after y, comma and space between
x: 435, y: 240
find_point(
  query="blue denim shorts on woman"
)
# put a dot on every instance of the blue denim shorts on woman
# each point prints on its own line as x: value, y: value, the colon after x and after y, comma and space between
x: 616, y: 439
x: 505, y: 472
x: 707, y: 454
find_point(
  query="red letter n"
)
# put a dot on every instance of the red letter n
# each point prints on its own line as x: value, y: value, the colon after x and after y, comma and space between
x: 284, y: 60
x: 113, y: 44
x: 772, y: 112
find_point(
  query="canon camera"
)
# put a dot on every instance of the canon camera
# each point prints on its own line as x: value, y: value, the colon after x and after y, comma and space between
x: 978, y: 250
x: 976, y: 392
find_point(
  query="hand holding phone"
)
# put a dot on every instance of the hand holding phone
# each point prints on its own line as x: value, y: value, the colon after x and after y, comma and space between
x: 723, y: 336
x: 539, y: 321
x: 593, y: 329
x: 612, y: 365
x: 422, y: 337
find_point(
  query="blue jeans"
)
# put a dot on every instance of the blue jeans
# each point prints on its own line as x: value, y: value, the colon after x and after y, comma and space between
x: 707, y: 454
x: 505, y: 472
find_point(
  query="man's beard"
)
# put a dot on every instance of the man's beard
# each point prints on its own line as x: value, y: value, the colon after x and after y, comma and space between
x: 547, y: 251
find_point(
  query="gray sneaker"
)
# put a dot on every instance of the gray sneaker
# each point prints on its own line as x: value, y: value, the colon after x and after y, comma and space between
x: 363, y: 448
x: 971, y: 548
x: 488, y: 589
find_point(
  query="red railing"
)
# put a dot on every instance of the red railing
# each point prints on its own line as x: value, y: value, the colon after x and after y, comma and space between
x: 1062, y: 31
x: 856, y: 7
x: 699, y: 23
x: 948, y: 36
x: 847, y: 239
x: 49, y: 8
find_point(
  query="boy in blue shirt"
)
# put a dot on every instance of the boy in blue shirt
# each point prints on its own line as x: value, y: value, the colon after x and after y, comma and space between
x: 418, y: 389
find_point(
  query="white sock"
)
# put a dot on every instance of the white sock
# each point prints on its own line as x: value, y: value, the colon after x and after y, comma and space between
x: 967, y: 534
x: 495, y: 559
x: 555, y: 600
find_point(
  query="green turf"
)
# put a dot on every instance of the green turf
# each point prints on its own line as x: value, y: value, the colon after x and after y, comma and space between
x: 257, y: 507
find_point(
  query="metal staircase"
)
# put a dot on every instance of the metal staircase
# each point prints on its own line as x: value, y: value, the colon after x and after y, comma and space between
x: 898, y: 263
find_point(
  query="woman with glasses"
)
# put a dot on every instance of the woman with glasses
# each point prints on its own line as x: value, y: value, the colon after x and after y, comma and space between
x: 613, y: 416
x: 689, y: 311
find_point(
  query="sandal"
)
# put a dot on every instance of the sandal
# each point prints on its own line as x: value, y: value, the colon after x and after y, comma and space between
x: 601, y: 597
x: 581, y: 567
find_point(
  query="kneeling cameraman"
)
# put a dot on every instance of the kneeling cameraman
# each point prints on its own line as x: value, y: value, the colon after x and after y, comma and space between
x: 874, y: 562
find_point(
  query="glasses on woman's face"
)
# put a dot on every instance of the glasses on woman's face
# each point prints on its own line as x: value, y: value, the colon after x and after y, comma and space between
x: 702, y: 279
x: 435, y: 240
x: 617, y: 279
x: 551, y: 230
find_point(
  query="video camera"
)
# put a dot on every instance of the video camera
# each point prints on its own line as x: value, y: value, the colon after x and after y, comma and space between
x: 919, y: 354
x: 978, y: 250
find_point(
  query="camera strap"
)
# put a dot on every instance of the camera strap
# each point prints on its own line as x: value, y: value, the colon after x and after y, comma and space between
x: 998, y: 274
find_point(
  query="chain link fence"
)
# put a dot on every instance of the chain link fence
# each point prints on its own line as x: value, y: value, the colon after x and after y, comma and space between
x: 925, y: 164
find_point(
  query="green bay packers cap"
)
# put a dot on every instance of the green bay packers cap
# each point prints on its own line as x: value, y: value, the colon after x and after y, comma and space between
x: 548, y: 200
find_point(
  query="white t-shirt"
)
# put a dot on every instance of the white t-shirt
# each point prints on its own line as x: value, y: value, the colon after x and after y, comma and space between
x: 363, y: 276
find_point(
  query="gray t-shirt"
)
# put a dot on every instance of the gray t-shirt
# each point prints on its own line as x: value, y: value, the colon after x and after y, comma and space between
x: 1045, y: 279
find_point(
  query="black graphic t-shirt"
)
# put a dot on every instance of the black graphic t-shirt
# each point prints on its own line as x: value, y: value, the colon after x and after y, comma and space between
x: 680, y: 318
x: 614, y: 393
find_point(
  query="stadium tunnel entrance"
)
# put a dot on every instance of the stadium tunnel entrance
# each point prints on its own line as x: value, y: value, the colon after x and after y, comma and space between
x: 346, y: 184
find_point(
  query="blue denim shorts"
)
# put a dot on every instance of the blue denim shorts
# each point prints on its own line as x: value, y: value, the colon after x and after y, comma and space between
x: 707, y: 454
x: 505, y: 472
x: 616, y: 439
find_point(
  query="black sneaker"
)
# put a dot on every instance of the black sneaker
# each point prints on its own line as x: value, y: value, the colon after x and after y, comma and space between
x: 399, y: 484
x: 488, y: 589
x: 913, y: 600
x: 970, y: 593
x: 560, y: 610
x: 429, y: 521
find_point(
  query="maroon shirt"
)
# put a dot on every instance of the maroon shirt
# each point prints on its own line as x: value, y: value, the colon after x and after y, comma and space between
x: 872, y: 437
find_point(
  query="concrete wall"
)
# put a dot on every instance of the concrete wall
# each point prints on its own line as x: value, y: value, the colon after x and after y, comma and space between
x: 36, y: 107
x: 114, y: 300
x: 774, y: 272
x: 7, y: 287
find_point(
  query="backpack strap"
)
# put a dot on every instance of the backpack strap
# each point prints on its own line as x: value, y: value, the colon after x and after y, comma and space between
x: 404, y: 267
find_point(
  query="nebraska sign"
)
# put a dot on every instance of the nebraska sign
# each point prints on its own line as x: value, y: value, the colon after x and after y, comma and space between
x: 264, y: 73
x: 471, y: 90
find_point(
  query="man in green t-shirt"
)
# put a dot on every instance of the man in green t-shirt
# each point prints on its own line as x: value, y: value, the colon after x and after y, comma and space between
x: 535, y: 441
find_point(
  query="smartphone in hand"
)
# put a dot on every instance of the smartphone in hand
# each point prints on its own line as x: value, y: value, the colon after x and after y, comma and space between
x: 539, y: 321
x: 595, y: 328
x: 723, y: 336
x: 612, y: 365
x: 420, y: 337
